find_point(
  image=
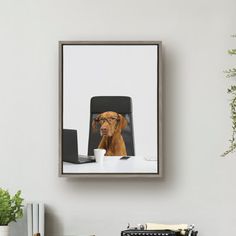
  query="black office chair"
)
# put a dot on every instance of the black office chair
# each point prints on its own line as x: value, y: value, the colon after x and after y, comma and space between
x: 119, y: 104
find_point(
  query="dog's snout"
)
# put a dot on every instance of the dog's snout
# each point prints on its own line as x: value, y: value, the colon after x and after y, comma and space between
x: 104, y: 129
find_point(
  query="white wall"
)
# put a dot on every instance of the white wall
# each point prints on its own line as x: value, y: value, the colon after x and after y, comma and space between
x: 198, y: 186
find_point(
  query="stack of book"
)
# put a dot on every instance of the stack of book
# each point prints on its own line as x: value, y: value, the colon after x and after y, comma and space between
x: 35, y: 219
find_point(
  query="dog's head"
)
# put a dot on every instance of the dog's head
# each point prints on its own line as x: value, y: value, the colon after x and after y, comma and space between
x: 110, y: 122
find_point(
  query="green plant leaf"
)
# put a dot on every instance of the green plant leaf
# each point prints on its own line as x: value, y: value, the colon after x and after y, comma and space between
x: 11, y: 207
x: 232, y: 91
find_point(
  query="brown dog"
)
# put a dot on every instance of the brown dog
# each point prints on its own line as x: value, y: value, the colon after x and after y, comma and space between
x: 111, y: 124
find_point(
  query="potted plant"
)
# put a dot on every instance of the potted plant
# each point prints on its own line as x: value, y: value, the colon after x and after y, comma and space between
x: 11, y: 209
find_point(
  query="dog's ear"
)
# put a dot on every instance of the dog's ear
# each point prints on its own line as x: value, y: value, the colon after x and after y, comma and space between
x: 122, y: 122
x: 95, y: 122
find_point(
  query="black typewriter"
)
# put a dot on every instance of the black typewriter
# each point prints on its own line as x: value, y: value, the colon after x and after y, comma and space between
x: 134, y: 232
x: 142, y: 231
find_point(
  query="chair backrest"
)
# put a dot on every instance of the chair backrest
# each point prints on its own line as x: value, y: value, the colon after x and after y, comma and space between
x: 119, y: 104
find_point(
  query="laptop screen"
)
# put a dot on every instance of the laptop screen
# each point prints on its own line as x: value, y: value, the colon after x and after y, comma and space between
x: 69, y: 145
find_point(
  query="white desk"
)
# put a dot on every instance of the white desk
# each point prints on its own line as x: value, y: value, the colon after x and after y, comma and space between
x: 113, y: 164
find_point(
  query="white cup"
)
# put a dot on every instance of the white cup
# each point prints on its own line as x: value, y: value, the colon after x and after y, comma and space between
x: 99, y: 155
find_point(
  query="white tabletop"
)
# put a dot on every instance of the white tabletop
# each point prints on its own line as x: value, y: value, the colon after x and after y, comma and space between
x: 113, y: 164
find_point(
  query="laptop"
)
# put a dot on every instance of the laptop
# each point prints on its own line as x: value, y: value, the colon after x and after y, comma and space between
x: 70, y: 148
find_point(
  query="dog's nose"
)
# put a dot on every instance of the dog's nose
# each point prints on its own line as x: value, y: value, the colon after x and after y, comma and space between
x: 104, y: 129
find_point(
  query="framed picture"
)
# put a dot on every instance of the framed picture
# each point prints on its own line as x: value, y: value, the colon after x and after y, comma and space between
x: 110, y: 108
